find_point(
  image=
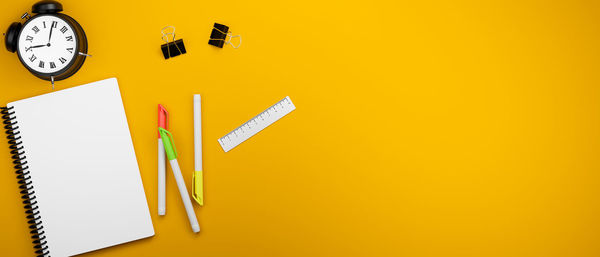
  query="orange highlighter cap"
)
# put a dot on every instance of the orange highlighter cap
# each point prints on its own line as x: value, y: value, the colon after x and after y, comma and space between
x: 163, y: 118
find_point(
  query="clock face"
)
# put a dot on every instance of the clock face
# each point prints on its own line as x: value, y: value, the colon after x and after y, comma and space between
x: 47, y: 44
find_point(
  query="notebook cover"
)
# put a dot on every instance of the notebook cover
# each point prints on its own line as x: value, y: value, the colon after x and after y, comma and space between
x: 82, y: 167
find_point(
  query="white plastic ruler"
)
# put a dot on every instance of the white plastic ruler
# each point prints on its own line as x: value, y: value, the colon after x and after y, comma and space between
x: 256, y: 124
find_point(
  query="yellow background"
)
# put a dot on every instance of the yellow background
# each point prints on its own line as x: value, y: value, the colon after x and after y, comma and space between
x: 425, y: 128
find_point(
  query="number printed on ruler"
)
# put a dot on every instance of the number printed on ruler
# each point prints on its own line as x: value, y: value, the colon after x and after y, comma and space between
x: 256, y: 124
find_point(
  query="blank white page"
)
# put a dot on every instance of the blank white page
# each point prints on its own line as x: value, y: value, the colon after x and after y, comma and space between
x: 83, y: 168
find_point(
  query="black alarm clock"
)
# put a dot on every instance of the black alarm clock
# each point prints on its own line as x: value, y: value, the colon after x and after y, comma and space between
x: 51, y: 45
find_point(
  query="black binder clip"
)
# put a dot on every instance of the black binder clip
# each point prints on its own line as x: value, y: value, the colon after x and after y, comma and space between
x: 173, y: 47
x: 219, y: 36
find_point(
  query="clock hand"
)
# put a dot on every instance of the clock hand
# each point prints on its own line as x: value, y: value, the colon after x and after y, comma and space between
x: 29, y: 48
x: 51, y: 27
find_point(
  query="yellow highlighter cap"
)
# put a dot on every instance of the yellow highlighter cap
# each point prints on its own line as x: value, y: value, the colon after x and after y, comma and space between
x: 198, y: 187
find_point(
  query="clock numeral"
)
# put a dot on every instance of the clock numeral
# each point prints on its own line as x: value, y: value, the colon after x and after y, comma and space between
x: 69, y: 38
x: 35, y: 29
x: 41, y: 64
x: 29, y: 38
x: 70, y: 49
x: 63, y: 29
x: 54, y: 24
x: 44, y: 22
x: 62, y: 60
x: 32, y: 58
x: 27, y: 49
x: 52, y: 65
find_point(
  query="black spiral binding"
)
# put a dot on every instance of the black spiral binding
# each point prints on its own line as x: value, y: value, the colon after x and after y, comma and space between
x: 27, y: 192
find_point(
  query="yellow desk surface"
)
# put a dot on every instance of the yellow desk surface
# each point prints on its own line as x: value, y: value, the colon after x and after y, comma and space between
x: 423, y: 128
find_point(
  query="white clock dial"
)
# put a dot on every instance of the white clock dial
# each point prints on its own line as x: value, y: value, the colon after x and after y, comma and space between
x: 47, y: 44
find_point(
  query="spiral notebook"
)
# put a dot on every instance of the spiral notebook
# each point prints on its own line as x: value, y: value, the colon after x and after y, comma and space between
x: 77, y: 170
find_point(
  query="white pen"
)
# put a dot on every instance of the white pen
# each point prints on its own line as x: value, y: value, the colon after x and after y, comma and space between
x: 171, y: 151
x: 197, y: 180
x: 163, y: 122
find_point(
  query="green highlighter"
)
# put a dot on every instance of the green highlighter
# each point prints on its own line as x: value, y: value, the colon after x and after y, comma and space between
x: 171, y: 151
